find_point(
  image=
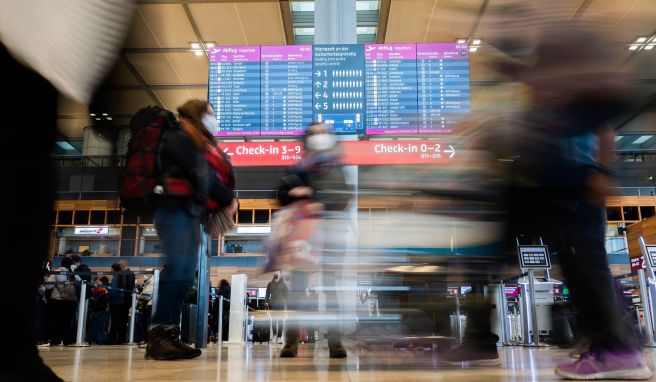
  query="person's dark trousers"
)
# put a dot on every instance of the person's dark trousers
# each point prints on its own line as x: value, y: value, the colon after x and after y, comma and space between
x: 479, y: 329
x: 61, y: 315
x: 118, y: 326
x: 180, y: 235
x: 41, y: 329
x: 579, y: 242
x: 28, y: 123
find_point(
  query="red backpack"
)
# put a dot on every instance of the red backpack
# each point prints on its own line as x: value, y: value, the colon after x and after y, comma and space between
x: 141, y: 177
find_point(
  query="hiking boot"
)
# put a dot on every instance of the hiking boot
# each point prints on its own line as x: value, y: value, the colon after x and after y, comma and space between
x: 472, y: 355
x: 336, y: 349
x: 161, y: 345
x: 290, y: 349
x: 188, y: 352
x: 606, y: 365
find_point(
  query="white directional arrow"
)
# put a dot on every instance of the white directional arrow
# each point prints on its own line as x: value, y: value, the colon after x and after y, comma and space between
x: 317, y: 94
x: 317, y: 84
x: 317, y: 106
x: 451, y: 151
x: 317, y: 73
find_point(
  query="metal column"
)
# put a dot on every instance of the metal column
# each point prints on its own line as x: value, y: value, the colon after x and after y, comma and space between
x: 203, y: 299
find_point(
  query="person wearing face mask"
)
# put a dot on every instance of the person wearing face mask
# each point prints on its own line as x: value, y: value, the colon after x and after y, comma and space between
x: 319, y: 179
x: 178, y: 220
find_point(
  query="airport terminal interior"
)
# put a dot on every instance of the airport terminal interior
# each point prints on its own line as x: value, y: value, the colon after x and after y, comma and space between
x: 398, y: 267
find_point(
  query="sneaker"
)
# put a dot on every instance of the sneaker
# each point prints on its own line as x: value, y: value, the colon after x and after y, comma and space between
x: 606, y: 365
x: 472, y: 355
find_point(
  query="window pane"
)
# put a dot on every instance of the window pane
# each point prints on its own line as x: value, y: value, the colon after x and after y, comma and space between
x: 97, y: 217
x: 81, y: 217
x: 261, y: 216
x: 65, y: 218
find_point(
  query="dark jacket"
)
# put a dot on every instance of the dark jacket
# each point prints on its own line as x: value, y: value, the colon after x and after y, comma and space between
x: 122, y: 283
x: 327, y: 183
x: 276, y: 294
x: 181, y: 159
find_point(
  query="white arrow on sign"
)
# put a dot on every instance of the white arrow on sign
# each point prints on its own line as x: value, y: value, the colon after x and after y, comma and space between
x: 316, y: 106
x: 227, y: 151
x: 317, y: 73
x: 451, y: 151
x: 317, y: 84
x: 317, y: 94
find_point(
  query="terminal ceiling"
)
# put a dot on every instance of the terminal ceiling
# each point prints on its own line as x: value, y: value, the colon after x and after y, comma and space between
x: 157, y: 66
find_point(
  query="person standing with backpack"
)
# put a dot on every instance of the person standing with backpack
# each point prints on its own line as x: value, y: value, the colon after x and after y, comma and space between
x: 62, y: 305
x: 178, y: 218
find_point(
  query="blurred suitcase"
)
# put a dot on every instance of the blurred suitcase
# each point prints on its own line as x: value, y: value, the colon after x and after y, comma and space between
x: 261, y: 331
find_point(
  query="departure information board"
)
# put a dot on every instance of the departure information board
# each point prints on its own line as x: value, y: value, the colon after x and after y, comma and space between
x: 374, y: 89
x: 286, y: 89
x: 391, y: 76
x: 234, y: 89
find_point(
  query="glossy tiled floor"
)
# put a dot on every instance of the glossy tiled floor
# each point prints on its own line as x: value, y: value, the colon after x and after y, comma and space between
x: 260, y: 363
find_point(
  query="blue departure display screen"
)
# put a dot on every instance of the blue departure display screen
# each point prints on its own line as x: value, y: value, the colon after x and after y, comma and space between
x: 373, y: 89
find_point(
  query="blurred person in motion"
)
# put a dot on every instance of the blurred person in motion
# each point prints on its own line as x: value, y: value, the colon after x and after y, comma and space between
x: 319, y: 180
x: 39, y: 69
x: 178, y: 222
x: 561, y: 174
x: 98, y: 321
x: 276, y: 298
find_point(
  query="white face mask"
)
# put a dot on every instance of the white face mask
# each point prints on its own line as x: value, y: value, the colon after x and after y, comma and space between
x: 321, y: 142
x: 211, y: 124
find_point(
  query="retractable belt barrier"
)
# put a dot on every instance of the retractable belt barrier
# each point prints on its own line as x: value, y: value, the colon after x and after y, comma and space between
x: 83, y: 305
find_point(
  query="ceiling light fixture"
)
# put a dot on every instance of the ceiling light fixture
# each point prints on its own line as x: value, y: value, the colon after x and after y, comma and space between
x: 643, y: 43
x: 198, y: 47
x: 474, y: 44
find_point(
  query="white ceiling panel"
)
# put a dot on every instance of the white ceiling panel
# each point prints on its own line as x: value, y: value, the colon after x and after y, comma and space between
x: 189, y: 68
x: 67, y: 106
x: 452, y: 20
x: 127, y: 101
x: 408, y: 20
x: 168, y: 24
x: 219, y: 23
x: 155, y: 68
x: 121, y: 75
x: 172, y: 98
x: 262, y: 23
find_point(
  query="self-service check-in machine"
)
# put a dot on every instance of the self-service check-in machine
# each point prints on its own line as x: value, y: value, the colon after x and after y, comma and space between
x: 648, y: 289
x: 536, y: 297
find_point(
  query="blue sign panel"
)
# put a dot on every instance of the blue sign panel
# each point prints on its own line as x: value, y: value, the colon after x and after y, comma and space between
x: 338, y: 83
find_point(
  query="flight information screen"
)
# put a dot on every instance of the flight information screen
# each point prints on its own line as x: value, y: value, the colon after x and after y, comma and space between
x: 374, y: 89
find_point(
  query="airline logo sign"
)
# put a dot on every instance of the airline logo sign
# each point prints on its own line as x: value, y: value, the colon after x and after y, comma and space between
x: 244, y: 154
x: 102, y: 230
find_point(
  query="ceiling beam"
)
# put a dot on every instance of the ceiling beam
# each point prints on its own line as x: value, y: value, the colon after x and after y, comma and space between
x: 383, y: 18
x: 191, y: 20
x: 580, y: 10
x: 156, y: 50
x: 142, y: 82
x: 286, y: 15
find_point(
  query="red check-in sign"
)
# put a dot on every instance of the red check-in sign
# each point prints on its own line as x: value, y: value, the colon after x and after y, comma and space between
x: 244, y: 154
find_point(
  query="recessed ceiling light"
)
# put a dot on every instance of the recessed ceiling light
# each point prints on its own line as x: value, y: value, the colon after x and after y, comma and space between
x: 198, y: 52
x: 641, y: 39
x: 109, y: 118
x: 476, y: 42
x: 92, y: 114
x: 104, y: 114
x: 617, y: 138
x: 649, y: 47
x: 642, y: 139
x: 473, y: 49
x: 209, y: 44
x: 461, y: 41
x: 633, y: 47
x: 194, y: 45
